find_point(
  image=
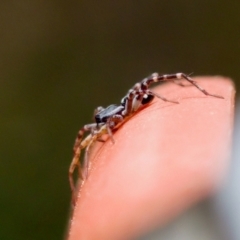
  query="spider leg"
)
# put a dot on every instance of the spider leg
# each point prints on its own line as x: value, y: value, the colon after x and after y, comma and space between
x: 78, y: 146
x: 101, y: 140
x: 132, y: 101
x: 140, y: 95
x: 136, y: 98
x: 163, y: 98
x: 148, y: 92
x: 112, y: 122
x: 88, y: 144
x: 169, y: 77
x: 86, y: 162
x: 86, y: 128
x: 75, y: 163
x: 127, y: 102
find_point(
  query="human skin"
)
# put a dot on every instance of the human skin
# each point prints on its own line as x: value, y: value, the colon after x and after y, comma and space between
x: 165, y: 159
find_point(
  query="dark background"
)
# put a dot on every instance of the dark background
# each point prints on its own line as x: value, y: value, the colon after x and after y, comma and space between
x: 61, y: 59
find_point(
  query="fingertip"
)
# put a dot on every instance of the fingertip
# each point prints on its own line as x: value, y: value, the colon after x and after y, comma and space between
x: 165, y: 158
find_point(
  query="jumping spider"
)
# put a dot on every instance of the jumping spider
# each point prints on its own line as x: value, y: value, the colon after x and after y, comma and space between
x: 108, y: 119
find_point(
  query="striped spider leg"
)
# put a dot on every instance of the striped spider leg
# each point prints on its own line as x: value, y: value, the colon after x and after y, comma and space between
x: 140, y: 94
x: 155, y: 78
x: 137, y: 97
x: 106, y: 119
x: 80, y: 144
x: 110, y: 118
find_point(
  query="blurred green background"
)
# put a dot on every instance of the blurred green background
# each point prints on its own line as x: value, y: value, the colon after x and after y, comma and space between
x: 61, y: 59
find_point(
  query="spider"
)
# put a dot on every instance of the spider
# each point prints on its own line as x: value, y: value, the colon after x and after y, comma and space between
x: 110, y: 118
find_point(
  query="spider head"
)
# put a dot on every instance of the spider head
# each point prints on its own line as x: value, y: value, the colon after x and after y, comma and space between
x: 106, y: 113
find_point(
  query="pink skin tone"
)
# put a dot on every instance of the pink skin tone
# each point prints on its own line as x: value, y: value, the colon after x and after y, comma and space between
x: 165, y: 159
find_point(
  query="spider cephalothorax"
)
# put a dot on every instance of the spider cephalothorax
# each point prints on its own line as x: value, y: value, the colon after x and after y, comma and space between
x: 108, y: 119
